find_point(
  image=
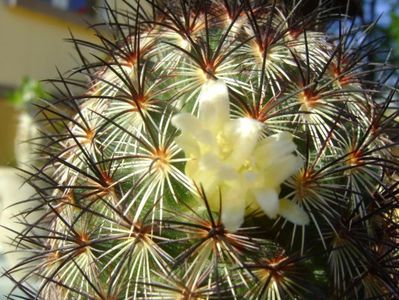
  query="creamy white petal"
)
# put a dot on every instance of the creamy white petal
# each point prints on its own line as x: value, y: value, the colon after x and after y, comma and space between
x: 283, y: 168
x: 227, y: 173
x: 268, y: 201
x: 274, y: 147
x: 214, y: 106
x: 251, y: 178
x: 293, y: 212
x: 207, y: 140
x: 191, y: 168
x: 188, y: 144
x: 246, y: 134
x: 210, y: 162
x: 233, y: 208
x: 186, y: 122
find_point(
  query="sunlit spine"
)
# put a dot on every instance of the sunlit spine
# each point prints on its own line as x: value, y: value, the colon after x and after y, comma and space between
x: 218, y: 150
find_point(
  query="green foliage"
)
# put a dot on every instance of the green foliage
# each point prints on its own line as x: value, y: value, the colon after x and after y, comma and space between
x: 29, y: 90
x: 393, y: 30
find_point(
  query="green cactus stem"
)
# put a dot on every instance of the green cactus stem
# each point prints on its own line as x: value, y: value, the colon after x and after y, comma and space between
x: 216, y: 150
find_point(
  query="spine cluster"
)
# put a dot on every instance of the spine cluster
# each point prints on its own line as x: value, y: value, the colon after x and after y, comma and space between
x: 216, y: 150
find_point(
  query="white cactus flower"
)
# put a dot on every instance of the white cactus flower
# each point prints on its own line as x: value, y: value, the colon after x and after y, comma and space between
x: 230, y: 158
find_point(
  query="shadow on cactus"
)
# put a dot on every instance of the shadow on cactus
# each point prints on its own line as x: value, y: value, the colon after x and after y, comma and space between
x: 217, y: 150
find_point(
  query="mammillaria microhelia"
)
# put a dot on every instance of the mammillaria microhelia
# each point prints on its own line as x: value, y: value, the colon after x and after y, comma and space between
x: 216, y: 150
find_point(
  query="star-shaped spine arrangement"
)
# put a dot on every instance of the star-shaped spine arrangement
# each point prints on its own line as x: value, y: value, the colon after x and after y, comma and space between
x: 216, y: 150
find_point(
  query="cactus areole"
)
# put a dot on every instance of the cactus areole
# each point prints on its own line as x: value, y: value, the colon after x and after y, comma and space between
x: 216, y: 150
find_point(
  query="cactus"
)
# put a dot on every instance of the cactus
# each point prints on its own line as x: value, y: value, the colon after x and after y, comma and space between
x: 216, y: 150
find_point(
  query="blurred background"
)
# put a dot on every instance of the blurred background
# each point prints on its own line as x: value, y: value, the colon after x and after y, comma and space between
x: 32, y: 47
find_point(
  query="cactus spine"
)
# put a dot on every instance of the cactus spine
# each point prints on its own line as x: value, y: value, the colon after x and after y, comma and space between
x: 217, y: 150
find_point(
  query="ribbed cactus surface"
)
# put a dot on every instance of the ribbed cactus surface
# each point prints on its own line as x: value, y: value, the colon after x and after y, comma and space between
x: 216, y: 150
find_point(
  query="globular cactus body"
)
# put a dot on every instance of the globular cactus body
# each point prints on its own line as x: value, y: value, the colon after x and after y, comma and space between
x: 219, y: 150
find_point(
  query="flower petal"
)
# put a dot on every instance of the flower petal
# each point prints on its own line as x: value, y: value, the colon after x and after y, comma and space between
x: 233, y: 209
x: 186, y: 122
x: 268, y: 201
x: 214, y: 106
x: 246, y: 133
x: 188, y: 144
x: 281, y: 169
x: 293, y: 213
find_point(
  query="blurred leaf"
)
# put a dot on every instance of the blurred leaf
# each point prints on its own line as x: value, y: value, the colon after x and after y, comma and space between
x: 394, y: 28
x: 28, y: 91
